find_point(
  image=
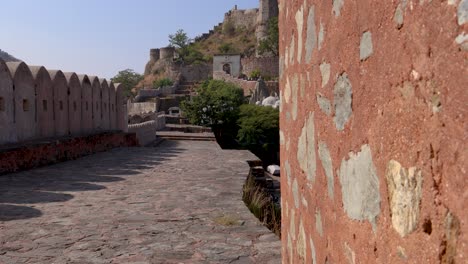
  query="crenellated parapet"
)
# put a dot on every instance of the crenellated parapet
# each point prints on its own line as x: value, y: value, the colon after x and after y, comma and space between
x: 36, y: 103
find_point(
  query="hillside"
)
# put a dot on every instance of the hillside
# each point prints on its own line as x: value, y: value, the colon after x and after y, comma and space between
x: 228, y: 39
x: 7, y: 57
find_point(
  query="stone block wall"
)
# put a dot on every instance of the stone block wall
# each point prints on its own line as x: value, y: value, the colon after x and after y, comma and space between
x: 268, y: 66
x: 36, y: 103
x: 145, y: 132
x: 242, y: 18
x: 373, y: 131
x: 141, y: 108
x: 247, y: 86
x: 28, y: 156
x: 196, y: 72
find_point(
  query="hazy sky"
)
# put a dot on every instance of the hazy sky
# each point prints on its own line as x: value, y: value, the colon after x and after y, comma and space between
x: 101, y: 37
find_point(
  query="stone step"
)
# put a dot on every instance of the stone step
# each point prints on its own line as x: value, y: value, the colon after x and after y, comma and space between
x: 188, y: 138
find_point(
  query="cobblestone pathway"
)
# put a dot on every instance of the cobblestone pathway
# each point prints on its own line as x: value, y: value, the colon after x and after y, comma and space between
x: 177, y: 203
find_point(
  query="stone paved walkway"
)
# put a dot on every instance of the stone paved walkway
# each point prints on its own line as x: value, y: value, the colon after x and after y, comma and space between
x: 177, y: 203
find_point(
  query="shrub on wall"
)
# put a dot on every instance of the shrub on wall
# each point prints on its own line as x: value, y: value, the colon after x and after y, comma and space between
x: 229, y: 28
x: 162, y: 83
x: 255, y: 74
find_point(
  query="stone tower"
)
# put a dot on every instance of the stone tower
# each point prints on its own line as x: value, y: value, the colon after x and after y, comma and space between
x: 267, y: 10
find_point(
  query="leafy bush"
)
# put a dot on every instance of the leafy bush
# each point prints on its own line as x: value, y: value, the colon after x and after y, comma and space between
x: 255, y: 74
x: 259, y: 126
x: 226, y: 48
x: 162, y: 83
x: 216, y: 105
x: 262, y: 205
x: 270, y: 43
x: 229, y: 28
x: 129, y: 79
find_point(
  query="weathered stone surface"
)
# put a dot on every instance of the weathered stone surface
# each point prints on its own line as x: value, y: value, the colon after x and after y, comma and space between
x: 287, y: 169
x: 462, y: 12
x: 294, y: 96
x: 321, y: 36
x: 337, y: 5
x: 300, y: 27
x: 360, y: 186
x: 325, y: 158
x: 318, y: 223
x: 462, y: 40
x: 295, y: 190
x: 366, y: 47
x: 301, y: 247
x: 135, y: 205
x: 312, y: 248
x: 342, y: 101
x: 398, y: 16
x: 349, y: 253
x: 325, y: 69
x: 306, y: 149
x: 452, y: 232
x: 311, y: 41
x: 292, y: 49
x: 404, y: 192
x: 324, y: 104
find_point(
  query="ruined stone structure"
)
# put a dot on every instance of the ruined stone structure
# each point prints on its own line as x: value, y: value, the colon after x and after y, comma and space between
x: 267, y: 66
x: 249, y: 87
x: 227, y: 63
x: 373, y: 131
x: 160, y: 59
x: 39, y: 104
x: 245, y: 18
x: 267, y: 10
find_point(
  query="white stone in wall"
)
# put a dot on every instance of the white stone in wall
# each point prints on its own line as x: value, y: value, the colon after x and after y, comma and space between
x: 337, y: 5
x: 366, y: 48
x: 311, y: 41
x: 342, y: 101
x: 306, y: 149
x: 360, y: 186
x: 300, y: 27
x: 404, y: 192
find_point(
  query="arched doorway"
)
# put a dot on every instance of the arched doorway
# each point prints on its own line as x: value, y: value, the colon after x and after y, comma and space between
x: 227, y: 68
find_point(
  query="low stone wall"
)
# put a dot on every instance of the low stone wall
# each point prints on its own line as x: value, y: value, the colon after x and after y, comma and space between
x: 141, y: 108
x: 196, y: 73
x: 145, y: 132
x: 151, y: 93
x: 160, y: 121
x: 247, y: 86
x: 268, y: 66
x: 21, y: 157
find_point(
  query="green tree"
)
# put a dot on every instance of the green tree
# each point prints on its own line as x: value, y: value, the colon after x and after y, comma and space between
x: 129, y: 79
x: 258, y: 125
x: 271, y: 43
x: 162, y: 83
x: 216, y: 106
x: 179, y: 40
x: 259, y: 132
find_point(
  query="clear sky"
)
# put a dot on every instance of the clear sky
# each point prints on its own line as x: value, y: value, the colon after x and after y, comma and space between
x: 101, y: 37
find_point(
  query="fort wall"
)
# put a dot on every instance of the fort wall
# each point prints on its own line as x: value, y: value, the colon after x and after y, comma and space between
x: 36, y: 104
x: 268, y: 66
x: 145, y: 132
x: 373, y: 131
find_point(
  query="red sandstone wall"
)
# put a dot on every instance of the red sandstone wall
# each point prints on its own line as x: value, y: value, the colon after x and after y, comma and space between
x: 373, y: 131
x: 15, y: 158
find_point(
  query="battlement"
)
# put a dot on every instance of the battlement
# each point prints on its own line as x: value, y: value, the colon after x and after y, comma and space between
x: 36, y: 103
